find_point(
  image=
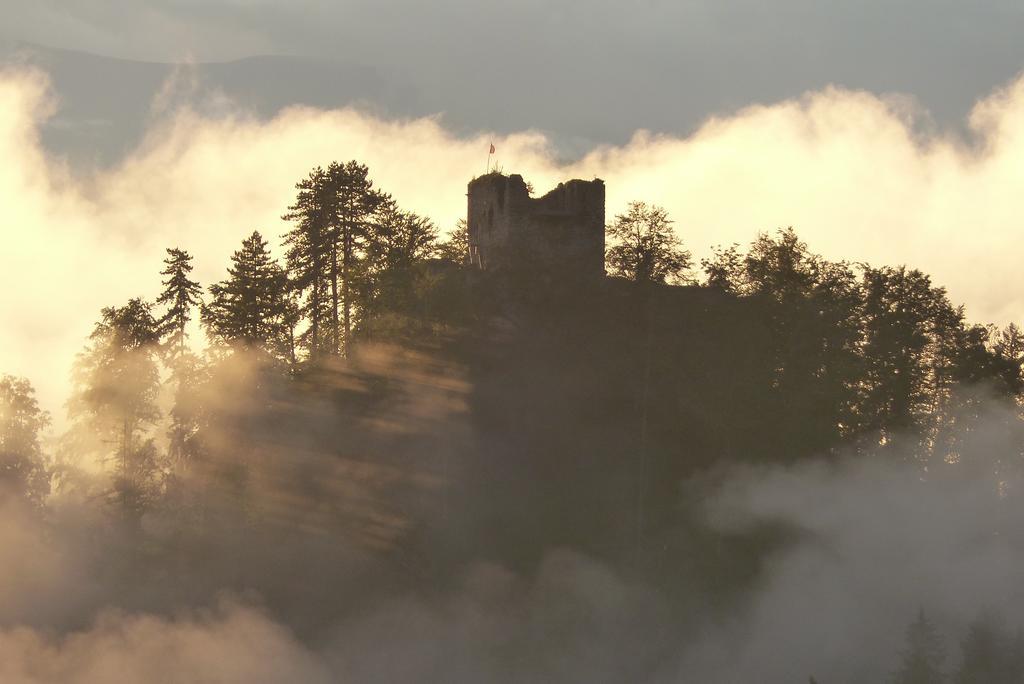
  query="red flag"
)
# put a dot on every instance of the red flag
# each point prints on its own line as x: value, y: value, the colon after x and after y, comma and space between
x: 492, y: 149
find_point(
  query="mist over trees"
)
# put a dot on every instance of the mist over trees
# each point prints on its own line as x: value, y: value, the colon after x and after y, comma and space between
x: 114, y: 405
x: 23, y: 466
x: 372, y: 393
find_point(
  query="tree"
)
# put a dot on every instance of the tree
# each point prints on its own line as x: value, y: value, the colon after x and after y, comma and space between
x: 248, y: 308
x: 811, y: 308
x: 724, y: 269
x: 353, y: 203
x: 393, y: 279
x: 116, y: 382
x: 399, y: 239
x: 645, y: 248
x: 1009, y: 343
x: 1007, y: 347
x: 182, y: 447
x: 908, y: 330
x: 456, y: 248
x: 180, y: 295
x: 291, y: 316
x: 923, y: 658
x: 334, y: 214
x: 307, y: 257
x: 23, y: 471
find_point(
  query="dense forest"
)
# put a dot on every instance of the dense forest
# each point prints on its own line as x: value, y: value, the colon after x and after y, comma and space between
x: 367, y: 401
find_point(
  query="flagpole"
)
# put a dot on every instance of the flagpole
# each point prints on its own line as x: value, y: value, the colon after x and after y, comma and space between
x: 490, y: 151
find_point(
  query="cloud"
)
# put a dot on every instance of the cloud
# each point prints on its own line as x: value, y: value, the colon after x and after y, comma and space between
x: 860, y: 177
x: 826, y: 561
x: 875, y: 545
x: 231, y: 644
x: 870, y: 544
x: 587, y: 72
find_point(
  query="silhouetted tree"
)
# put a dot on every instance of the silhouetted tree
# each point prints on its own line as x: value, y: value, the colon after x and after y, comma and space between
x: 396, y: 279
x: 644, y: 247
x: 399, y: 238
x: 308, y: 257
x: 354, y: 201
x: 812, y: 308
x: 907, y: 323
x: 180, y: 295
x: 1009, y: 342
x: 456, y: 248
x: 1007, y: 349
x: 23, y: 471
x: 923, y: 658
x: 249, y: 307
x: 291, y: 316
x: 724, y: 269
x: 116, y: 382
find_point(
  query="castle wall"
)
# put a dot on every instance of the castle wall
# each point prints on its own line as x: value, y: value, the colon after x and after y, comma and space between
x: 562, y: 230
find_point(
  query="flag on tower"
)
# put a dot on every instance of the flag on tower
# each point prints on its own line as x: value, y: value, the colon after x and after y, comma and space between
x: 492, y: 149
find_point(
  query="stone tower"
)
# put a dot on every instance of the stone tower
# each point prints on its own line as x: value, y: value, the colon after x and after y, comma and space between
x: 563, y: 230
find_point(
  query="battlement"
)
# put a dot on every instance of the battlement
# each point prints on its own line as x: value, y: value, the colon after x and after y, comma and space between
x: 562, y: 230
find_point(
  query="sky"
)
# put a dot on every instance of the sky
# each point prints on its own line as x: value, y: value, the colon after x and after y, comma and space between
x: 589, y: 72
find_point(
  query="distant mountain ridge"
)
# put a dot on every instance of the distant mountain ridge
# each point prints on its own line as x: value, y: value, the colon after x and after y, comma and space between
x: 104, y: 103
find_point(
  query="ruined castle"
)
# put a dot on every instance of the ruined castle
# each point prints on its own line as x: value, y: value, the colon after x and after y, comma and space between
x: 563, y: 230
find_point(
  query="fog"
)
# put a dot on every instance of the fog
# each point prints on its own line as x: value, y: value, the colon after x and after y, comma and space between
x: 279, y: 599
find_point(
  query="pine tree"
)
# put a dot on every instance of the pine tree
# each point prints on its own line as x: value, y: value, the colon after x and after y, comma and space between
x: 248, y: 308
x: 333, y: 213
x: 354, y: 203
x: 922, y: 660
x: 308, y: 247
x: 180, y: 295
x: 116, y: 384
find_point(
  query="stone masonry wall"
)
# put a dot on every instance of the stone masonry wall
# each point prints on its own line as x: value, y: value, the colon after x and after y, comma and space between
x: 562, y: 230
